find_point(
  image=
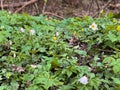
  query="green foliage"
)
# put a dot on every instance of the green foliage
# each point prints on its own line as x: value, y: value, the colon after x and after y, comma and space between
x: 41, y: 53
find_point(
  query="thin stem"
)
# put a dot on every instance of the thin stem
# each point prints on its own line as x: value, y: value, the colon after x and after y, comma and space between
x: 44, y: 7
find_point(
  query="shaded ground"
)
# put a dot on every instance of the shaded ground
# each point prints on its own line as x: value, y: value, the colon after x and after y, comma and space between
x: 62, y: 8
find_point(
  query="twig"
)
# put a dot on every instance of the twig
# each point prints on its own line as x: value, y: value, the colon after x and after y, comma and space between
x: 106, y: 4
x: 26, y: 4
x: 103, y: 7
x: 2, y: 4
x: 115, y: 6
x: 90, y: 5
x: 97, y: 4
x: 13, y: 5
x: 49, y: 13
x: 106, y: 50
x: 36, y: 6
x: 44, y: 6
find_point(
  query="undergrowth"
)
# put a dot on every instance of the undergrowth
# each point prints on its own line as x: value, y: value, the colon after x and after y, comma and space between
x: 43, y: 53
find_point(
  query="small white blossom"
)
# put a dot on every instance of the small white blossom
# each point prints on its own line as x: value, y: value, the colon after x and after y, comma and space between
x: 90, y: 69
x: 83, y: 80
x: 20, y: 69
x: 93, y: 26
x: 32, y: 32
x: 10, y: 42
x: 57, y: 34
x: 22, y: 30
x: 33, y: 66
x: 14, y: 55
x: 9, y: 12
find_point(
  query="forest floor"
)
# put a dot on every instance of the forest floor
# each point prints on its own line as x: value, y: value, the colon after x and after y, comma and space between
x: 62, y: 8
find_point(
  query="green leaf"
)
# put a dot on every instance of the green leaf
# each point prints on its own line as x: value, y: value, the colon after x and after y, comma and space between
x: 14, y: 85
x: 116, y: 68
x: 69, y: 73
x: 28, y: 77
x: 42, y: 49
x: 39, y: 80
x: 81, y: 52
x: 110, y: 14
x: 26, y: 48
x: 34, y: 87
x: 112, y: 37
x: 3, y: 35
x: 95, y: 82
x: 3, y: 88
x: 66, y: 87
x: 108, y: 60
x: 116, y: 80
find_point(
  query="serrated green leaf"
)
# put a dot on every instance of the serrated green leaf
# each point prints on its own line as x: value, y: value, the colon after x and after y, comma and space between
x: 81, y: 52
x: 112, y: 37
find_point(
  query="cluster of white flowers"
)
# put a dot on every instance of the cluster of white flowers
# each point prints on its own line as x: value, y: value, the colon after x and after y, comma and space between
x: 32, y: 32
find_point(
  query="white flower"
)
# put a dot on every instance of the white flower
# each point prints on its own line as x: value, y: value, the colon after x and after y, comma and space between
x: 83, y: 80
x: 14, y: 55
x: 10, y: 42
x: 22, y: 30
x: 90, y: 69
x: 93, y: 26
x: 9, y: 12
x: 33, y: 66
x: 57, y: 34
x: 32, y: 32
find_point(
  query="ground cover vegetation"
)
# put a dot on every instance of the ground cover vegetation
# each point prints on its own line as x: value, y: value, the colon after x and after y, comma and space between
x: 43, y: 53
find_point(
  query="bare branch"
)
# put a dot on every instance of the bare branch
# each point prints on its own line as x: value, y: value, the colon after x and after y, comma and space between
x: 49, y: 13
x: 25, y: 4
x: 2, y: 5
x: 44, y: 6
x: 107, y: 4
x: 13, y: 5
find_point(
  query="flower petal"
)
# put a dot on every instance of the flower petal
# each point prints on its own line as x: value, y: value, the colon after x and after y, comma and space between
x: 83, y: 80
